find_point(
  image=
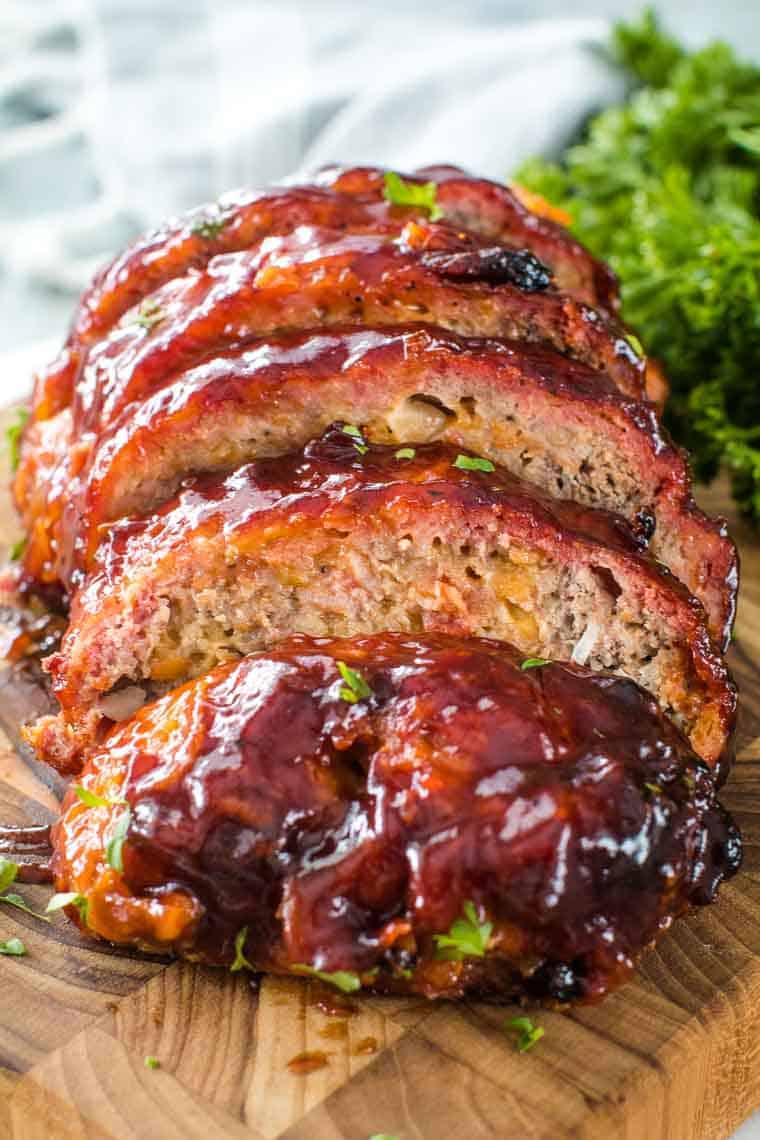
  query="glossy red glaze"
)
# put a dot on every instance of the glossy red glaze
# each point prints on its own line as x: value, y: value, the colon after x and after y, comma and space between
x: 339, y: 486
x: 317, y: 276
x: 345, y: 836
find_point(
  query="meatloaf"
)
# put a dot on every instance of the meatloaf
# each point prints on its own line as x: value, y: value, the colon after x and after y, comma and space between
x: 551, y: 420
x: 407, y: 815
x: 345, y: 538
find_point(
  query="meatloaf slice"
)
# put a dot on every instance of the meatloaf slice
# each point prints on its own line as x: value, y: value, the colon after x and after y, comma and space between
x: 409, y: 815
x: 553, y: 421
x: 496, y: 212
x: 345, y: 538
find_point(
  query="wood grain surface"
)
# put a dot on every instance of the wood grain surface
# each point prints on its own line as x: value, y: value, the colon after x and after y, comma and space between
x: 674, y: 1055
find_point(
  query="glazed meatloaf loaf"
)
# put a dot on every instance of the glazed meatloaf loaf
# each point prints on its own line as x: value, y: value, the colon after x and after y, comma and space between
x: 409, y: 816
x: 346, y: 538
x: 551, y: 420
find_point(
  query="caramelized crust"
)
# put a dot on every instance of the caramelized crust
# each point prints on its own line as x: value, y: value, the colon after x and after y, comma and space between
x: 341, y: 199
x: 344, y: 539
x: 497, y: 212
x: 556, y: 422
x: 263, y: 808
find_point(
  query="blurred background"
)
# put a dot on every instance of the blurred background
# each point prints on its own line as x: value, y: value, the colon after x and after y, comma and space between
x: 115, y: 113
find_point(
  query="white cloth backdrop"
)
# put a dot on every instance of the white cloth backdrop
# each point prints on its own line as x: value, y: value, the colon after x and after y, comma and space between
x: 115, y: 113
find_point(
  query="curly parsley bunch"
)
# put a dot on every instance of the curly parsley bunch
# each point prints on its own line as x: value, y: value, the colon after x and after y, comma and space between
x: 666, y: 187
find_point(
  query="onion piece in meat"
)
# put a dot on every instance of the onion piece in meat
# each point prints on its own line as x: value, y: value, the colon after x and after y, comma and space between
x: 585, y: 644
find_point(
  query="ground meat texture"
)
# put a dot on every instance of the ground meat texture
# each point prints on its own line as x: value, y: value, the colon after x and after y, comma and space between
x: 553, y: 421
x: 347, y: 538
x: 277, y: 810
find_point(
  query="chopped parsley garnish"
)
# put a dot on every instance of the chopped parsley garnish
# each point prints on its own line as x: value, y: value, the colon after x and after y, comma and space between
x: 17, y: 550
x: 152, y: 1063
x: 666, y: 186
x: 241, y: 962
x: 8, y: 873
x: 534, y: 663
x: 115, y: 845
x: 69, y: 898
x: 528, y: 1033
x: 92, y: 799
x: 343, y: 980
x: 149, y: 315
x: 208, y: 228
x: 357, y: 437
x: 473, y: 463
x: 13, y: 435
x: 635, y: 344
x: 653, y: 789
x: 399, y: 192
x: 406, y: 453
x: 14, y: 947
x: 467, y: 938
x: 355, y: 688
x: 19, y: 904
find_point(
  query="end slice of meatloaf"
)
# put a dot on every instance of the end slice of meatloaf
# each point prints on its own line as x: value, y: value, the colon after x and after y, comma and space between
x: 427, y: 784
x: 495, y: 211
x: 550, y: 420
x: 343, y: 198
x: 345, y: 538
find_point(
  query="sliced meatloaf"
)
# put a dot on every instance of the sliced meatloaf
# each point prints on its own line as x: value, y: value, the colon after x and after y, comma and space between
x: 553, y: 421
x: 346, y: 538
x: 341, y: 198
x: 406, y: 815
x: 497, y: 212
x: 300, y: 277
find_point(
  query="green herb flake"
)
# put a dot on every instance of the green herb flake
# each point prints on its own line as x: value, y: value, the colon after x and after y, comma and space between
x: 8, y: 873
x: 14, y: 947
x: 69, y: 898
x: 92, y: 799
x: 17, y: 902
x: 13, y: 436
x: 344, y: 980
x: 241, y: 962
x: 527, y: 1033
x: 152, y: 1063
x: 467, y: 938
x: 359, y: 441
x: 635, y: 344
x: 149, y: 315
x: 115, y: 845
x: 534, y: 663
x: 406, y: 453
x: 653, y: 789
x: 473, y: 463
x: 399, y: 192
x: 208, y: 227
x: 16, y: 552
x: 355, y: 688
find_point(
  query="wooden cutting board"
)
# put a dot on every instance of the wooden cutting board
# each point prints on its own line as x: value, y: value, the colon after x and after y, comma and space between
x: 675, y: 1054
